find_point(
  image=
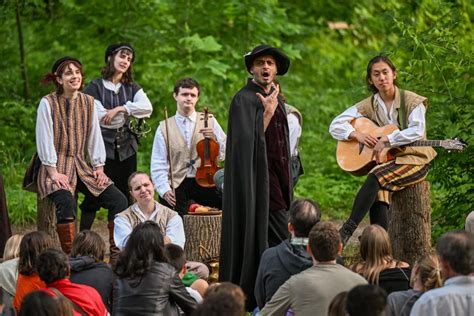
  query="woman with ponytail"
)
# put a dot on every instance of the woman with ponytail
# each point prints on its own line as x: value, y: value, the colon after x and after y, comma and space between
x: 425, y: 276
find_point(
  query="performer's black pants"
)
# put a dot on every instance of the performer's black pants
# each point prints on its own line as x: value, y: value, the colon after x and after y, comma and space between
x: 65, y: 203
x: 366, y: 200
x: 118, y: 171
x: 277, y: 227
x: 190, y: 192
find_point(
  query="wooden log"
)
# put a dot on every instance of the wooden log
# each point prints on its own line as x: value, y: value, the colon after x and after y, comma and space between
x: 46, y: 219
x: 409, y: 224
x: 203, y: 237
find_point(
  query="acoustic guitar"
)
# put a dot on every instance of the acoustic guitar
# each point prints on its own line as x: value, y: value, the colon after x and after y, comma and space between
x: 356, y: 158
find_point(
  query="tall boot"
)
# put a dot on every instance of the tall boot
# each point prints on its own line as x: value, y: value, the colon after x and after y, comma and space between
x: 114, y: 251
x: 347, y: 230
x: 66, y: 233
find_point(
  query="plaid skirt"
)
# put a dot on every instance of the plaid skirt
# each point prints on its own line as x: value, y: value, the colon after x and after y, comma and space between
x: 394, y: 177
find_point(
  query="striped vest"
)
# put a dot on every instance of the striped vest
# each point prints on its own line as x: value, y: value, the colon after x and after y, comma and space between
x: 72, y: 123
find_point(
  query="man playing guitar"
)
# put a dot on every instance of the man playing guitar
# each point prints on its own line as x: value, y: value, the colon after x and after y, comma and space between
x: 387, y: 105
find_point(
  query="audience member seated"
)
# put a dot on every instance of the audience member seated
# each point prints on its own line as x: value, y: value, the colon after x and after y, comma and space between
x: 311, y: 291
x: 31, y: 246
x: 338, y: 305
x: 222, y: 299
x: 147, y: 284
x: 424, y: 276
x: 378, y: 265
x: 54, y: 271
x: 366, y: 300
x: 146, y: 208
x: 40, y: 303
x: 88, y: 266
x: 195, y: 286
x: 290, y: 257
x: 456, y: 297
x: 9, y: 271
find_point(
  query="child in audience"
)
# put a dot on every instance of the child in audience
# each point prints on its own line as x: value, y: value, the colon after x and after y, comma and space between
x: 366, y: 300
x: 9, y: 271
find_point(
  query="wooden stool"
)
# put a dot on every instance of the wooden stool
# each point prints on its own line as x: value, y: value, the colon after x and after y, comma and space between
x: 203, y: 237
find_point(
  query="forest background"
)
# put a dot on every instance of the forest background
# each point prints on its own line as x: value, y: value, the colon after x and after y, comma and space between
x: 430, y: 42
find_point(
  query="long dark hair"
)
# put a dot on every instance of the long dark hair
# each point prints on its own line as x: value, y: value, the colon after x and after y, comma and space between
x: 373, y: 61
x: 109, y: 70
x: 144, y: 246
x: 31, y: 246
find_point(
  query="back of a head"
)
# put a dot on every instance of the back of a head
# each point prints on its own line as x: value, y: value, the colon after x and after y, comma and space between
x: 429, y: 272
x: 375, y: 244
x: 366, y: 300
x: 144, y: 246
x: 303, y: 215
x: 53, y: 265
x: 175, y: 256
x: 457, y: 249
x: 88, y: 243
x: 31, y: 246
x: 324, y: 241
x: 40, y: 303
x: 12, y: 247
x: 337, y: 307
x: 222, y: 299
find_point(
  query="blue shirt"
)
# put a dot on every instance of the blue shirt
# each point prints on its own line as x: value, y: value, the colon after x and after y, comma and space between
x: 456, y: 297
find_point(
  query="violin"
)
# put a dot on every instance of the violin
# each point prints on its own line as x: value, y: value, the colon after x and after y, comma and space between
x: 208, y: 150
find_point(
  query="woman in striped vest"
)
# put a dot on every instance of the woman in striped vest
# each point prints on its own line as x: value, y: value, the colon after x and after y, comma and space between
x: 71, y: 149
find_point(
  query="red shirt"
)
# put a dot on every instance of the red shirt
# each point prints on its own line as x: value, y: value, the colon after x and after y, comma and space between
x: 85, y: 296
x: 25, y: 285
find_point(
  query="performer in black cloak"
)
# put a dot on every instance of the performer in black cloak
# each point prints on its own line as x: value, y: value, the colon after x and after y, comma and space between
x: 257, y: 183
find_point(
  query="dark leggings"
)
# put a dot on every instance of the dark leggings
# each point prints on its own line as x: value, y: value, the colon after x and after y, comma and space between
x: 65, y: 203
x: 118, y: 171
x: 366, y: 199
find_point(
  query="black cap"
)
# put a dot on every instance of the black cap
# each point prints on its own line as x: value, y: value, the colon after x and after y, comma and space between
x: 61, y: 61
x: 282, y: 61
x: 113, y: 48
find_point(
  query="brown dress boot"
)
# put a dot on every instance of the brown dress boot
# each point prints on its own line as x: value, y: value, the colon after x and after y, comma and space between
x: 66, y: 233
x: 114, y: 251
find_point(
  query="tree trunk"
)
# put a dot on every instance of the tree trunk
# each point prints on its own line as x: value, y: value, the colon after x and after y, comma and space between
x: 203, y: 237
x: 46, y: 219
x: 409, y: 224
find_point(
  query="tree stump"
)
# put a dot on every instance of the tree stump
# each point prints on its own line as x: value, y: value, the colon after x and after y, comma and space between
x: 46, y: 219
x: 409, y: 224
x: 203, y: 237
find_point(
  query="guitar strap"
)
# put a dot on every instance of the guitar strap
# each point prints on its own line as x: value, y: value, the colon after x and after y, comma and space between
x: 402, y: 116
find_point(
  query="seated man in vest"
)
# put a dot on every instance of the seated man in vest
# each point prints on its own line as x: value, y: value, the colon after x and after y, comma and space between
x: 290, y: 257
x: 146, y: 208
x: 53, y: 269
x: 184, y: 130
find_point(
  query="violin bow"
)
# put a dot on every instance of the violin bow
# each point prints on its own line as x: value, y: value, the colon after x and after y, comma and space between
x: 169, y: 152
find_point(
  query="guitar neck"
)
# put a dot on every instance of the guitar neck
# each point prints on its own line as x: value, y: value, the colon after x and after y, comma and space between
x: 425, y: 143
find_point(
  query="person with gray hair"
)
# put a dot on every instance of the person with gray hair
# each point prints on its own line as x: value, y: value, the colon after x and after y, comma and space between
x: 456, y: 256
x: 470, y: 223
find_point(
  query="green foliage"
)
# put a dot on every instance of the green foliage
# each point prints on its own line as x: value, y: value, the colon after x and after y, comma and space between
x: 429, y: 41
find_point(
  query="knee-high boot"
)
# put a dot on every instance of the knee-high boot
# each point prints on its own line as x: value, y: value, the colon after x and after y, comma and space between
x: 66, y: 233
x: 114, y: 251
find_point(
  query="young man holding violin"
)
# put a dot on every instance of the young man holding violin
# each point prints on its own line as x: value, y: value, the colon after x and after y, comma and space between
x: 174, y: 163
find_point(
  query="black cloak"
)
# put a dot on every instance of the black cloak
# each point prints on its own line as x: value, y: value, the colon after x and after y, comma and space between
x: 246, y: 192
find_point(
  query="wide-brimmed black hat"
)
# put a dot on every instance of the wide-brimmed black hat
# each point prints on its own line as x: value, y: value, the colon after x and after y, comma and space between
x: 282, y: 61
x: 113, y: 48
x: 61, y: 61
